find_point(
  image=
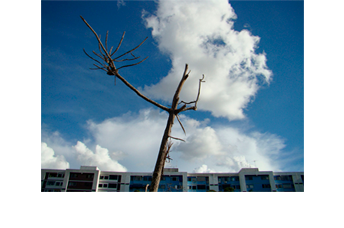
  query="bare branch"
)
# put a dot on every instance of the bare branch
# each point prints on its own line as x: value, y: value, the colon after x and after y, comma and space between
x: 183, y: 108
x: 99, y: 41
x: 92, y: 58
x: 110, y: 49
x: 168, y: 150
x: 138, y: 92
x: 132, y: 49
x: 100, y: 50
x: 176, y: 138
x: 102, y: 57
x: 180, y: 124
x: 133, y: 64
x: 122, y: 60
x: 99, y: 68
x: 120, y: 42
x: 106, y: 39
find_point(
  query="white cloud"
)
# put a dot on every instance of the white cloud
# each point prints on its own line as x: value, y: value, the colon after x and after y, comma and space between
x: 51, y: 161
x: 60, y: 151
x: 201, y: 34
x: 220, y: 148
x: 134, y: 140
x: 203, y: 169
x: 100, y: 158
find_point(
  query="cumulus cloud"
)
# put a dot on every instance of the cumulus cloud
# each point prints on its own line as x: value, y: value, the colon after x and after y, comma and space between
x: 203, y: 169
x: 131, y: 143
x: 226, y: 148
x: 136, y: 135
x: 220, y: 148
x: 100, y: 158
x: 201, y: 34
x: 60, y: 151
x: 51, y: 161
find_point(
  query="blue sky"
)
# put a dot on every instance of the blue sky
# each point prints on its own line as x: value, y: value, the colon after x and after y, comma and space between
x: 251, y: 106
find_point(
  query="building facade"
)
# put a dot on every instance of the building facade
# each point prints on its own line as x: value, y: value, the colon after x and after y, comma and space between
x: 91, y: 179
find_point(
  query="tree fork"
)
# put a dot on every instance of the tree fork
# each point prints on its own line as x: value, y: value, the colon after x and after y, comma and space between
x: 160, y: 163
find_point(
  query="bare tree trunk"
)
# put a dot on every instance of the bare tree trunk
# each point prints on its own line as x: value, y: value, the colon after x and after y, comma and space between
x: 160, y: 163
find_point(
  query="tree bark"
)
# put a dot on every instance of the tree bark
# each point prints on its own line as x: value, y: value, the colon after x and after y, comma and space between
x: 160, y: 163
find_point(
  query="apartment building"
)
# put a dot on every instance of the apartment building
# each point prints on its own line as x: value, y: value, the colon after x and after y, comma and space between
x: 91, y: 179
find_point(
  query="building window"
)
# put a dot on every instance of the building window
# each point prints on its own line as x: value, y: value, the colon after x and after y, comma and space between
x: 58, y: 183
x: 73, y: 175
x: 249, y: 186
x: 106, y: 177
x: 248, y: 178
x: 265, y: 177
x: 51, y: 183
x: 147, y: 178
x: 236, y: 186
x: 201, y: 178
x: 278, y: 186
x: 105, y: 185
x: 174, y: 178
x: 88, y: 184
x: 235, y: 179
x: 52, y: 174
x: 100, y: 185
x: 72, y: 184
x: 136, y: 178
x: 60, y: 175
x: 113, y: 177
x: 284, y: 178
x: 101, y: 177
x: 112, y: 185
x: 287, y: 186
x: 201, y: 187
x: 193, y: 187
x: 266, y: 186
x: 162, y: 186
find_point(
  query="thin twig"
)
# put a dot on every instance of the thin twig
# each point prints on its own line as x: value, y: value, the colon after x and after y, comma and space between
x: 122, y: 60
x: 106, y: 39
x: 133, y: 64
x: 176, y: 138
x: 100, y: 68
x: 100, y: 50
x: 120, y: 42
x: 102, y: 57
x: 99, y: 41
x: 183, y: 108
x: 180, y: 124
x: 92, y: 58
x: 132, y: 49
x: 110, y: 49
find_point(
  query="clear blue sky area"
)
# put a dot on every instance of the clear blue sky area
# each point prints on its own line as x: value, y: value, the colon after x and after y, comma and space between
x: 73, y: 96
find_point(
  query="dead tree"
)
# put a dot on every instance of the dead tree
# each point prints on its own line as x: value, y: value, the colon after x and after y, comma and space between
x: 107, y: 62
